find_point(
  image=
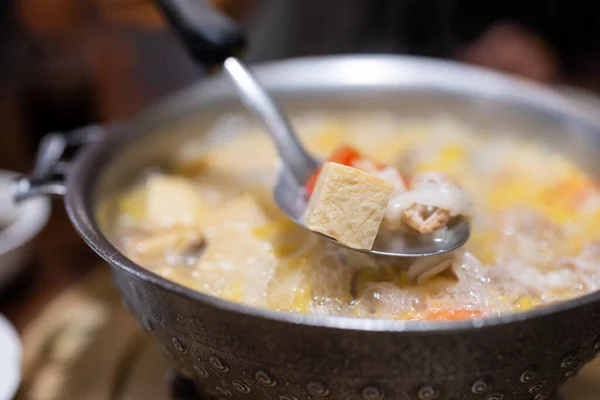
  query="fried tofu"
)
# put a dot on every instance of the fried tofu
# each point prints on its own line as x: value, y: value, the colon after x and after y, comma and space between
x: 171, y: 201
x: 348, y: 205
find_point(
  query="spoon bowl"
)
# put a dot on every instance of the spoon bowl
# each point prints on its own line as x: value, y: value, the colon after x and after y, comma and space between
x: 299, y: 165
x: 290, y: 199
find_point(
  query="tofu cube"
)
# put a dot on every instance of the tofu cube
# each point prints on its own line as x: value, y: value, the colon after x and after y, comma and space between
x: 171, y: 201
x: 243, y: 213
x: 348, y: 205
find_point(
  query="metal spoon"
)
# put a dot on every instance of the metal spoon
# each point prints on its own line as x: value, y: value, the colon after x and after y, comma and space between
x: 298, y: 166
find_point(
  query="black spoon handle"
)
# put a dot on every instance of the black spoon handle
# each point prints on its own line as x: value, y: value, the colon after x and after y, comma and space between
x: 208, y: 35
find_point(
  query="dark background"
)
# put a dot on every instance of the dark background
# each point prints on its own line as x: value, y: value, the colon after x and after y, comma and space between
x: 66, y: 63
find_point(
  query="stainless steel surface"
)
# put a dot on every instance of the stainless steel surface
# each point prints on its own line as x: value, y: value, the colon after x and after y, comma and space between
x: 299, y: 165
x: 244, y: 352
x: 410, y: 86
x: 298, y: 161
x: 47, y: 177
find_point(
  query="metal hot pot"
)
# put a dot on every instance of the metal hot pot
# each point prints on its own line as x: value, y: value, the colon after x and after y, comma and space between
x: 240, y: 352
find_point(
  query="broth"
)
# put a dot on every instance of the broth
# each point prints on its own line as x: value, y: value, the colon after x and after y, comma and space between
x: 210, y: 224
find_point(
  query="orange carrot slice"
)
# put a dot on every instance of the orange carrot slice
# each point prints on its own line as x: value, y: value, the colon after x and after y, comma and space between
x: 343, y: 154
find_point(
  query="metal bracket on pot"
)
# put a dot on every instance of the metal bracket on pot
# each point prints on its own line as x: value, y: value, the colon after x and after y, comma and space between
x: 47, y: 177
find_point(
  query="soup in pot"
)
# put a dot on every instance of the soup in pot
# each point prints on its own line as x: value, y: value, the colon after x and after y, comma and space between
x: 209, y: 223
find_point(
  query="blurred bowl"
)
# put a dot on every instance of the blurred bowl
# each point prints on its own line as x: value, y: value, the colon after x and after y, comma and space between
x: 10, y: 359
x: 19, y: 224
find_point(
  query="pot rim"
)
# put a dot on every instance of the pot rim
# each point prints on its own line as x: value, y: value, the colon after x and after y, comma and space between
x: 83, y: 176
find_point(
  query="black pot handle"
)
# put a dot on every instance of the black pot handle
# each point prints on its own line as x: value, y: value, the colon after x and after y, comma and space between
x: 208, y: 35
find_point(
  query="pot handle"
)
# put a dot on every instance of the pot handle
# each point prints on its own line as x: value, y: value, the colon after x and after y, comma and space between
x: 208, y: 35
x: 50, y: 169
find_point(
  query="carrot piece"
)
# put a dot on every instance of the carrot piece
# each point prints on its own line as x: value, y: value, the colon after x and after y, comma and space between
x: 309, y: 186
x: 451, y: 315
x: 343, y: 154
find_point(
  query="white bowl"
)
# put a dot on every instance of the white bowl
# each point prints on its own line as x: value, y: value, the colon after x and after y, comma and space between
x: 19, y: 224
x: 10, y: 360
